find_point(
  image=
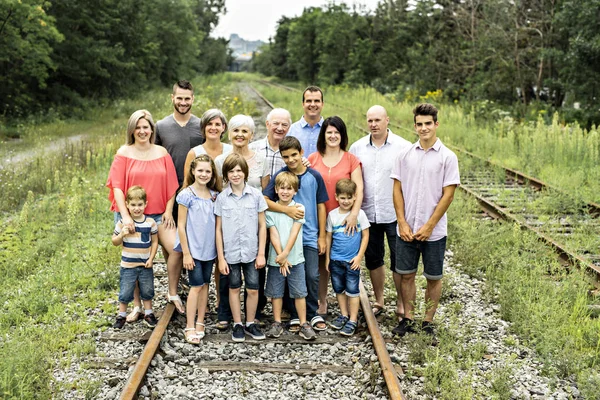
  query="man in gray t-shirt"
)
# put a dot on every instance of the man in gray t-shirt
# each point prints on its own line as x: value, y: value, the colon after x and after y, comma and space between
x: 180, y: 131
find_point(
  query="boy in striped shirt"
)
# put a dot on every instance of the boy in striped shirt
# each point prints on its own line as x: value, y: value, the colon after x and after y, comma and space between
x: 140, y: 243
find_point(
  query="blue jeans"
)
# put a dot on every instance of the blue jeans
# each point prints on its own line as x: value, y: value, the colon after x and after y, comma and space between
x: 433, y: 257
x: 128, y: 278
x: 311, y: 272
x: 344, y: 279
x: 201, y: 273
x: 296, y: 281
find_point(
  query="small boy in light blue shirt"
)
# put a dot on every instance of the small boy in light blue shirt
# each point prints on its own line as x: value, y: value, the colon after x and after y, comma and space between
x: 344, y: 255
x: 286, y: 264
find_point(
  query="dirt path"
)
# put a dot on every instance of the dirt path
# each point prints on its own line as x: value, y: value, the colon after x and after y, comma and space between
x: 246, y: 90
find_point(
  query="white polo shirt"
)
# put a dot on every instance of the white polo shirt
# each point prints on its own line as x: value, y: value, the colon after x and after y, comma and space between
x: 377, y: 164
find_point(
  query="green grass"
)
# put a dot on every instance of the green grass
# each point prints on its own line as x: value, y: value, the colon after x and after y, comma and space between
x: 57, y: 260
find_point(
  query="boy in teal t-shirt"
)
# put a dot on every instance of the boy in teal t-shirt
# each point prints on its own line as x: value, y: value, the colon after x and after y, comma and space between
x: 286, y: 258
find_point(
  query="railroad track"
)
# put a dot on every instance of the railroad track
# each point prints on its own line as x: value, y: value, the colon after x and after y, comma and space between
x: 218, y: 355
x: 566, y: 224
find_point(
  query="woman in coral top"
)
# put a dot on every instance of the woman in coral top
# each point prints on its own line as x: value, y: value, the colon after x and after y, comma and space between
x: 334, y: 163
x: 141, y: 162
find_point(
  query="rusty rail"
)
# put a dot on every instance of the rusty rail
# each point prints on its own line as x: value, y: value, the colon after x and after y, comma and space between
x: 141, y: 366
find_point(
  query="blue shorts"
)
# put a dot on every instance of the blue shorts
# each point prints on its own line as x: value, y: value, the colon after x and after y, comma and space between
x: 155, y: 217
x: 376, y: 246
x: 296, y: 281
x: 127, y: 280
x: 200, y: 275
x: 250, y: 276
x: 344, y: 279
x: 408, y: 254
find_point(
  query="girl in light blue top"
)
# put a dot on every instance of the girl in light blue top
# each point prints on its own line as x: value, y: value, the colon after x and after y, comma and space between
x: 196, y: 239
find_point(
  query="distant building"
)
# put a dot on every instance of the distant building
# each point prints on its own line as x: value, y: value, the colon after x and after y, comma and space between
x: 242, y: 51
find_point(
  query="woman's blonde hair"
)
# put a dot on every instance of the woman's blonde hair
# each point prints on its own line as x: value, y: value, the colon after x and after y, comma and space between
x: 132, y: 124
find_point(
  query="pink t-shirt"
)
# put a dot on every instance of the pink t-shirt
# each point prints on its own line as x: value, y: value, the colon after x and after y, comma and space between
x: 343, y: 169
x: 157, y: 177
x: 424, y: 174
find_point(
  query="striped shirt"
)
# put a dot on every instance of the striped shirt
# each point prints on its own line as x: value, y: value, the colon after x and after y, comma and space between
x: 136, y: 246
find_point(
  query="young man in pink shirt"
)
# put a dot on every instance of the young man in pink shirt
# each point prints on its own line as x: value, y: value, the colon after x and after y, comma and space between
x: 425, y: 178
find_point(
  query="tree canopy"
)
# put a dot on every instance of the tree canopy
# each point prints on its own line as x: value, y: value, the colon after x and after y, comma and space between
x: 55, y: 54
x: 510, y: 52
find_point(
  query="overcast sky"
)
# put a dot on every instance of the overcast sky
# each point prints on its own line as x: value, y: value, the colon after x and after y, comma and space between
x: 257, y: 20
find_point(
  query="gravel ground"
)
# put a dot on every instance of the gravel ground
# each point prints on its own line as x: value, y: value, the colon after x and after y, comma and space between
x: 177, y: 373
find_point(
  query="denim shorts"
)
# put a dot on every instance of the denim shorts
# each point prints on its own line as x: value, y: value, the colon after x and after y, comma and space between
x: 296, y: 281
x: 344, y: 279
x: 155, y: 217
x: 127, y: 280
x: 250, y: 276
x: 200, y: 275
x: 376, y: 246
x: 408, y: 253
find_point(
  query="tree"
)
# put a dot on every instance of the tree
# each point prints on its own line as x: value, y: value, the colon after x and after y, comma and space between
x: 27, y: 37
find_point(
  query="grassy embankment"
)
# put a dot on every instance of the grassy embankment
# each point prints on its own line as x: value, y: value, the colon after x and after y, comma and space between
x: 546, y: 305
x: 57, y: 261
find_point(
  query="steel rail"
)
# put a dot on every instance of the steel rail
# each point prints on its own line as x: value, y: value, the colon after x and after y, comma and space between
x: 496, y: 211
x: 141, y: 366
x: 385, y: 362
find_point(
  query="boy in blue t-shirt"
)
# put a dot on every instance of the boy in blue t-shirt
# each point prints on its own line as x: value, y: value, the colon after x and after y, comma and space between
x: 344, y: 255
x: 312, y: 194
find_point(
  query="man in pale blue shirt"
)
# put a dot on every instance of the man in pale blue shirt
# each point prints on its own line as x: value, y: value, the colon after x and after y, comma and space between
x: 306, y: 130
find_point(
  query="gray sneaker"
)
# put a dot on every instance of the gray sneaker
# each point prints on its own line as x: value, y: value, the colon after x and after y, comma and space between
x: 275, y: 331
x: 307, y: 332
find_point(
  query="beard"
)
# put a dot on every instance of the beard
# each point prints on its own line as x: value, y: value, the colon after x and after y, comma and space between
x: 180, y: 108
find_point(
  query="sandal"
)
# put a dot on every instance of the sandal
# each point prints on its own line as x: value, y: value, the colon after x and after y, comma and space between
x: 318, y: 323
x: 201, y: 333
x: 294, y: 325
x: 377, y: 309
x: 176, y: 301
x: 191, y: 338
x: 222, y: 325
x: 135, y: 315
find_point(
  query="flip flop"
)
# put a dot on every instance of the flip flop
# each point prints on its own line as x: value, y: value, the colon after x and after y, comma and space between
x: 377, y: 309
x: 318, y: 323
x: 222, y: 325
x: 176, y: 301
x: 294, y: 325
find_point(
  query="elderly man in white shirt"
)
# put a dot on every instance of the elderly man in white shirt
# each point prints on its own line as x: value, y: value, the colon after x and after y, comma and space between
x: 377, y: 152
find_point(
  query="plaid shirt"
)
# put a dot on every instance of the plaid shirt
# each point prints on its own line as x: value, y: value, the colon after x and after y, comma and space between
x: 273, y: 157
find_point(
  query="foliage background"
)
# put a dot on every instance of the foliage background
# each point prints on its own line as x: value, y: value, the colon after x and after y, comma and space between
x: 57, y: 55
x: 513, y: 55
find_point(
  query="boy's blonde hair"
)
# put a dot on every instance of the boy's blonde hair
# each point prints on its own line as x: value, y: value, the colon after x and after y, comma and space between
x: 135, y: 193
x: 345, y: 186
x: 233, y: 160
x: 285, y: 179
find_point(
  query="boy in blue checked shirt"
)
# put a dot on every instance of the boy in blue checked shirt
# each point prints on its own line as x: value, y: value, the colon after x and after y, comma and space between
x: 344, y: 255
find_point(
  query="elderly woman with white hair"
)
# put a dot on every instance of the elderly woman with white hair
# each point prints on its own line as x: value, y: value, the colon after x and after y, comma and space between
x: 241, y: 131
